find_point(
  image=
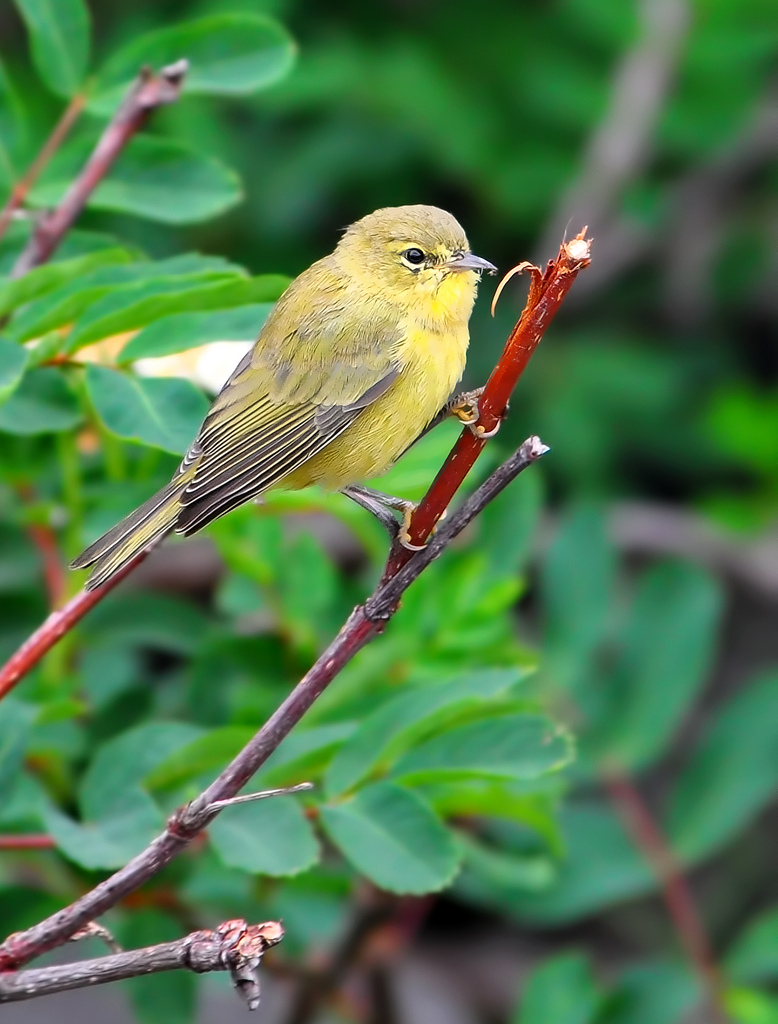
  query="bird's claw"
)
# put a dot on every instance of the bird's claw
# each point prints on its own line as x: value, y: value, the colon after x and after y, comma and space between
x: 480, y: 433
x: 403, y: 533
x: 466, y: 409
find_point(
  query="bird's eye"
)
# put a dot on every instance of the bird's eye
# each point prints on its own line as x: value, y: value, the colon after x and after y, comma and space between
x: 414, y: 256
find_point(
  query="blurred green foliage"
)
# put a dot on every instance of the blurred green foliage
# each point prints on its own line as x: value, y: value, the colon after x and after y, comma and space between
x: 444, y: 754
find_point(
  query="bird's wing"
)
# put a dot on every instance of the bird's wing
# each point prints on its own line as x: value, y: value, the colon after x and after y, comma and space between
x: 300, y: 387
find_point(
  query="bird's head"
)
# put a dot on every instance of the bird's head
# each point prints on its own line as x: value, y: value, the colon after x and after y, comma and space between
x: 414, y: 252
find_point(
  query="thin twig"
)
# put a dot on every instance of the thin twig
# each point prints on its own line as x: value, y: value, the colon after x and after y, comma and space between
x: 364, y: 623
x: 650, y: 840
x: 234, y: 946
x: 151, y: 90
x: 50, y: 146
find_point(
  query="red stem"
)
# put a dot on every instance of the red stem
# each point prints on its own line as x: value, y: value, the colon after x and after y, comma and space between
x: 650, y: 840
x: 545, y: 297
x: 49, y: 148
x: 33, y: 841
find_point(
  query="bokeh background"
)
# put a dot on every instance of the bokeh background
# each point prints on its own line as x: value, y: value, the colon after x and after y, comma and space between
x: 645, y: 551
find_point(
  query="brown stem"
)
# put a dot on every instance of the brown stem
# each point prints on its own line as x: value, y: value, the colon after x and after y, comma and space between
x: 150, y: 91
x: 234, y: 946
x: 55, y: 627
x: 49, y: 148
x: 678, y: 899
x: 31, y: 841
x: 364, y: 623
x: 547, y: 291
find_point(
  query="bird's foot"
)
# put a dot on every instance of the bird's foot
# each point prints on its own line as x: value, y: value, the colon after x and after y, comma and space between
x: 466, y: 409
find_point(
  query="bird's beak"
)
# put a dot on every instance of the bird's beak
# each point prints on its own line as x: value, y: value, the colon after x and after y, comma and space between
x: 469, y: 261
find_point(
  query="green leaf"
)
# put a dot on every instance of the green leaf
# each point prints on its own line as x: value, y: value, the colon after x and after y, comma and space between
x: 123, y: 762
x: 163, y: 412
x: 15, y: 292
x: 13, y: 362
x: 661, y: 993
x: 508, y: 801
x: 602, y: 868
x: 62, y: 306
x: 753, y: 956
x: 394, y: 838
x: 668, y: 651
x: 732, y: 774
x: 157, y: 179
x: 516, y: 746
x: 267, y: 837
x: 59, y: 40
x: 577, y: 584
x: 304, y: 753
x: 12, y: 130
x: 129, y: 824
x: 183, y: 331
x: 131, y: 307
x: 157, y: 621
x: 203, y: 754
x: 391, y: 729
x: 166, y: 998
x: 43, y: 403
x: 503, y: 870
x: 561, y: 990
x: 15, y: 726
x: 228, y: 54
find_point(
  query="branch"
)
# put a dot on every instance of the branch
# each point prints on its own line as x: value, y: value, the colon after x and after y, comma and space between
x: 49, y: 148
x: 650, y: 840
x: 547, y: 291
x: 545, y: 296
x: 149, y: 92
x: 364, y: 623
x: 28, y: 841
x: 235, y: 946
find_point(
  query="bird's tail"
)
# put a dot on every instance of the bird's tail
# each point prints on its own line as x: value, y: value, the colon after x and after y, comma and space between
x: 145, y: 526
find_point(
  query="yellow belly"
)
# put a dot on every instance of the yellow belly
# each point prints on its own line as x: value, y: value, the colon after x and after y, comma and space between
x: 432, y: 364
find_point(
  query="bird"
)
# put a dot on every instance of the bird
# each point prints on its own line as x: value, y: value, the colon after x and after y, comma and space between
x: 357, y: 358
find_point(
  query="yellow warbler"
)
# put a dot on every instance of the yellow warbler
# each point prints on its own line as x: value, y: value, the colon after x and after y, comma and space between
x: 357, y: 357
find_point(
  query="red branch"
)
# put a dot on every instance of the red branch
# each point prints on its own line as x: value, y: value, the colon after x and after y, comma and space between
x: 32, y: 841
x: 546, y: 293
x: 650, y: 840
x: 149, y: 92
x: 55, y: 627
x: 49, y: 148
x: 365, y: 622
